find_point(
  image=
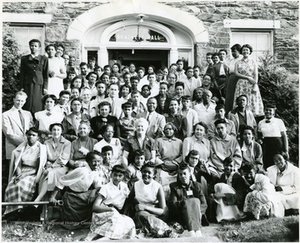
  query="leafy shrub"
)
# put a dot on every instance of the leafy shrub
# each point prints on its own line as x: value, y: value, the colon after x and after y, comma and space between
x: 10, y: 67
x: 279, y: 86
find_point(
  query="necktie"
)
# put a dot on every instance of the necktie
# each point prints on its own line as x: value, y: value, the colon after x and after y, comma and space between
x: 22, y: 119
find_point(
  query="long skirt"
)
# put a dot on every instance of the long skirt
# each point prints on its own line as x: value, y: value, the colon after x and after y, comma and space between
x: 34, y: 100
x: 191, y: 214
x: 77, y: 206
x: 230, y: 89
x: 226, y: 212
x: 20, y: 191
x: 255, y: 104
x: 55, y: 85
x: 256, y: 207
x: 113, y: 225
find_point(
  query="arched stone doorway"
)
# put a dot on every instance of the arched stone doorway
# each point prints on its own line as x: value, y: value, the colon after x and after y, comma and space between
x: 175, y: 32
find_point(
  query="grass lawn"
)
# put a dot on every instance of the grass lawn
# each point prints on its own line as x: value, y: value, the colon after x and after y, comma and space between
x: 268, y: 230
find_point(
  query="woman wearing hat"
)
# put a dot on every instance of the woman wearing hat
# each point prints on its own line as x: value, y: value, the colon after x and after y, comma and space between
x: 272, y: 135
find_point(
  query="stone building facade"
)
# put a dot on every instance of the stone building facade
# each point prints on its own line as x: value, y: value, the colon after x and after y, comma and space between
x: 182, y: 29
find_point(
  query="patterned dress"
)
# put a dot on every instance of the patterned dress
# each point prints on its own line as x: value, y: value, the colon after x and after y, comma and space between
x: 244, y: 87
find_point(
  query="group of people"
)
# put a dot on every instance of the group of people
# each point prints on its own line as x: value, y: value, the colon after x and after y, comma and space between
x: 130, y: 151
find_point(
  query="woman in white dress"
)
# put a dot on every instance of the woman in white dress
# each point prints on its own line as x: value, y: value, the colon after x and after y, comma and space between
x: 57, y: 71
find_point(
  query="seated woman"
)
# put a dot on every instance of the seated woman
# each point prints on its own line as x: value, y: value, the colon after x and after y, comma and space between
x: 140, y: 141
x: 285, y: 177
x: 107, y: 220
x: 264, y: 200
x: 71, y: 122
x: 187, y: 201
x: 58, y: 156
x: 47, y: 117
x: 168, y: 156
x: 251, y: 150
x: 107, y: 132
x: 82, y: 145
x: 26, y: 167
x: 79, y: 189
x: 230, y: 193
x: 149, y: 202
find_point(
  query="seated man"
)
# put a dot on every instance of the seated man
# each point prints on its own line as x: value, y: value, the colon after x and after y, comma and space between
x: 187, y: 201
x: 224, y: 145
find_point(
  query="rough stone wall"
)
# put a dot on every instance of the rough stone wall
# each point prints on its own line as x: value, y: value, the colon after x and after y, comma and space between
x: 211, y: 13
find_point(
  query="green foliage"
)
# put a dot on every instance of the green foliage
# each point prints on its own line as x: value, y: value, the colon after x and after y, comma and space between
x: 10, y: 67
x: 279, y: 86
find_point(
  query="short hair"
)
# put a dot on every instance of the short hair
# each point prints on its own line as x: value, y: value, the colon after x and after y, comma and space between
x: 143, y: 121
x: 202, y: 124
x: 113, y: 75
x: 215, y: 54
x: 186, y: 97
x: 35, y: 41
x: 236, y: 47
x: 90, y: 73
x: 219, y: 107
x: 149, y: 165
x: 219, y: 121
x: 100, y: 82
x: 55, y: 124
x: 172, y: 125
x: 76, y: 99
x: 134, y: 78
x: 146, y: 85
x: 174, y: 99
x: 247, y: 46
x: 51, y: 96
x: 60, y: 45
x: 140, y: 68
x: 228, y: 160
x: 33, y: 129
x: 106, y: 149
x: 125, y: 86
x: 179, y: 83
x: 236, y: 100
x: 209, y: 54
x: 135, y: 92
x: 152, y: 67
x: 179, y: 60
x: 163, y: 83
x: 103, y: 128
x: 104, y: 103
x: 206, y: 91
x: 106, y: 66
x: 64, y: 92
x: 247, y: 167
x: 126, y: 104
x: 97, y: 67
x: 207, y: 74
x: 192, y: 152
x: 47, y: 47
x: 91, y: 155
x: 183, y: 166
x: 243, y: 128
x: 222, y: 50
x: 172, y: 73
x: 138, y: 152
x: 82, y: 64
x: 119, y: 169
x: 103, y: 74
x: 188, y: 68
x: 112, y: 85
x: 21, y: 93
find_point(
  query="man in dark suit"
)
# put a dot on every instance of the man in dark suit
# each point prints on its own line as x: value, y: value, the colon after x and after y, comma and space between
x: 34, y: 76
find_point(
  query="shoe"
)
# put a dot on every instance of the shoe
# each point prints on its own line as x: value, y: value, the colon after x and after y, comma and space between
x: 198, y: 234
x: 192, y: 233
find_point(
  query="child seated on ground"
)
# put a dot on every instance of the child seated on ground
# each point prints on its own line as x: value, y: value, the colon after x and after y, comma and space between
x: 187, y: 201
x: 264, y: 200
x: 107, y: 220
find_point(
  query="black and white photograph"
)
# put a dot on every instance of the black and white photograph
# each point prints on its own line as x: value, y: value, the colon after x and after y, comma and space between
x: 150, y: 121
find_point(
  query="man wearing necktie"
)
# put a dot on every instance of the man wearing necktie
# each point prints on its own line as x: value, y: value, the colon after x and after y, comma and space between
x: 15, y: 123
x: 34, y: 77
